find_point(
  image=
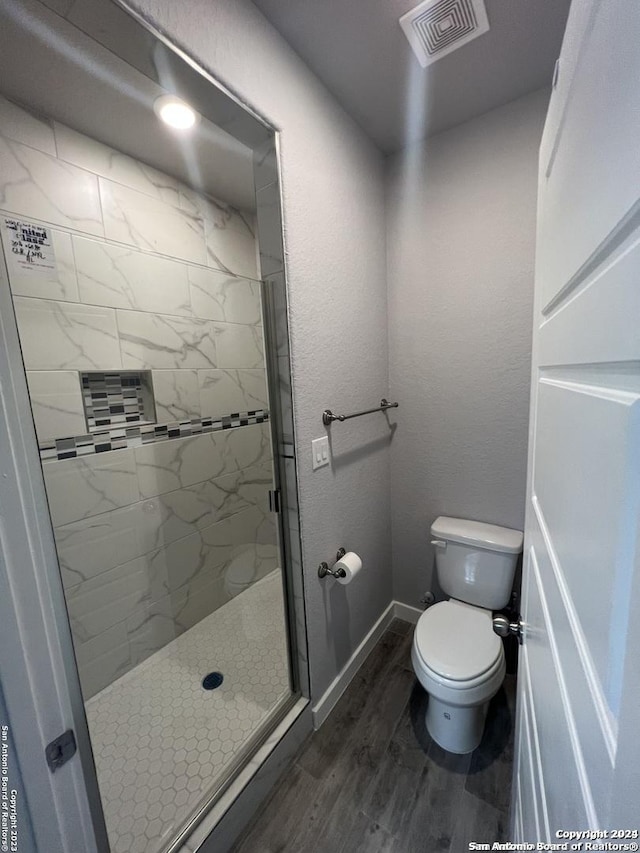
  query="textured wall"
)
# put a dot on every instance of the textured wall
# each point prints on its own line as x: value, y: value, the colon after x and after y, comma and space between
x: 461, y: 236
x: 335, y: 235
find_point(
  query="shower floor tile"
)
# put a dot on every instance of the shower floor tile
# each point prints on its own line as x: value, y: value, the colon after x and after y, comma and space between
x: 161, y: 741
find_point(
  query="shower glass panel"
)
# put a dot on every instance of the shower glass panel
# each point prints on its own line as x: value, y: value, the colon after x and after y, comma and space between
x: 135, y: 267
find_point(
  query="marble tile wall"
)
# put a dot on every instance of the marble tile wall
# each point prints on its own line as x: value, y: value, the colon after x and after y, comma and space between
x: 152, y: 539
x: 148, y: 275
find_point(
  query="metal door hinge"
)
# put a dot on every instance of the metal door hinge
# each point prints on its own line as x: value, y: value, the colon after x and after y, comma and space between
x: 60, y: 750
x: 274, y: 500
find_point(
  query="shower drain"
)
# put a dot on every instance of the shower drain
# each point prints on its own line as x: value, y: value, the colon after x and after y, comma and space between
x: 212, y: 680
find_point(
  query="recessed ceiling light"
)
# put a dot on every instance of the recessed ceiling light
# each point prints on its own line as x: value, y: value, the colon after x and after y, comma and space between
x: 175, y: 112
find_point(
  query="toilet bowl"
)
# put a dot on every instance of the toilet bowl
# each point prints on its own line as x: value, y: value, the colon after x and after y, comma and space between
x: 460, y: 663
x: 456, y: 655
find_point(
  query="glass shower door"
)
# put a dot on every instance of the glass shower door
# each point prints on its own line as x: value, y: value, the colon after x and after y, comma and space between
x: 138, y: 303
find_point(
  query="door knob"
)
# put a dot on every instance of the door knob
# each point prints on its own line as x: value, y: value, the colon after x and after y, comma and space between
x: 503, y: 627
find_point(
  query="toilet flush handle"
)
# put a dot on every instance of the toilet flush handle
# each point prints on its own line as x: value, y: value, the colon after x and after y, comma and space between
x: 438, y: 543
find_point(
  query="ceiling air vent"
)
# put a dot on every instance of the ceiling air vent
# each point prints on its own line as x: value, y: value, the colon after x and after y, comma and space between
x: 438, y: 27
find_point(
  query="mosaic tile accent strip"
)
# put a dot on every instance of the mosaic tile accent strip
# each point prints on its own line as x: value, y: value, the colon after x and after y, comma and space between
x: 135, y: 436
x: 115, y: 398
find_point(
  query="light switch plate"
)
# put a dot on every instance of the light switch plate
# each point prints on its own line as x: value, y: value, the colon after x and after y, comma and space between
x: 320, y: 452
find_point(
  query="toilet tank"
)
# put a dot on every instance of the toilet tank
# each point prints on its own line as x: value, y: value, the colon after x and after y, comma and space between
x: 476, y: 561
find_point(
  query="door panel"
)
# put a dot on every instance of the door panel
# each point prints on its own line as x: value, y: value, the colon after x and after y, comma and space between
x: 579, y: 691
x: 581, y: 21
x: 593, y: 159
x: 592, y: 719
x: 608, y: 301
x: 536, y: 773
x: 553, y: 716
x: 529, y: 788
x: 585, y: 430
x: 518, y: 830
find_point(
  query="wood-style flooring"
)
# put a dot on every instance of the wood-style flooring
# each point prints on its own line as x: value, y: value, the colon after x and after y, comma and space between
x: 371, y: 780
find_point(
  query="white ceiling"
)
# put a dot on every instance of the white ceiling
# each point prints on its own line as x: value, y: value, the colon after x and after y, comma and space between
x: 51, y: 66
x: 356, y: 47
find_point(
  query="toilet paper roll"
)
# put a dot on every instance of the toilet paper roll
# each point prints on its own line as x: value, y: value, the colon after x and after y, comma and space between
x: 351, y: 564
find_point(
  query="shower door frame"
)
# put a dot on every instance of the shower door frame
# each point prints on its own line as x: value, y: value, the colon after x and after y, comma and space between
x: 41, y: 687
x: 40, y: 682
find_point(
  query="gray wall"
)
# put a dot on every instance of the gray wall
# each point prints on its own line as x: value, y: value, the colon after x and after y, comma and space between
x: 460, y: 253
x: 333, y: 184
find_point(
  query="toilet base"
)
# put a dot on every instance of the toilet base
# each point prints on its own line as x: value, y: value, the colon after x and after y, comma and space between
x: 454, y: 728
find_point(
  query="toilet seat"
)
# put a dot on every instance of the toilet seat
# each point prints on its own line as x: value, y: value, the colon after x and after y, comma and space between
x: 458, y: 687
x: 456, y: 645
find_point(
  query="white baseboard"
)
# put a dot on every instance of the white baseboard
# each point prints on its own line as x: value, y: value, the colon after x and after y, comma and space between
x: 406, y: 612
x: 326, y: 703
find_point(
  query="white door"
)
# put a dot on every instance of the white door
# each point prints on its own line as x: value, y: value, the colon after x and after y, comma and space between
x: 578, y: 735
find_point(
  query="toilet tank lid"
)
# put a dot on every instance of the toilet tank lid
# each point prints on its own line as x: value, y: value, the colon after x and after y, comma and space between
x: 478, y: 533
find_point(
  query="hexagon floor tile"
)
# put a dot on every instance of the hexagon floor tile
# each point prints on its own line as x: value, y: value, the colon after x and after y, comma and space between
x: 161, y: 741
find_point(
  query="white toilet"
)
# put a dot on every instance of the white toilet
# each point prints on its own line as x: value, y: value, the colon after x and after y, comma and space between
x: 456, y: 655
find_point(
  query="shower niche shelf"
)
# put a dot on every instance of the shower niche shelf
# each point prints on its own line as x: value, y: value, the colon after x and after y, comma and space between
x: 117, y: 398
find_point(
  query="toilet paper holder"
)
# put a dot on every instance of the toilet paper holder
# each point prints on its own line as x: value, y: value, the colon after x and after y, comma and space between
x: 324, y: 570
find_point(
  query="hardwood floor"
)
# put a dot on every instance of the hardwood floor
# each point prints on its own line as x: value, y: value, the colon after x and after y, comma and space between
x: 371, y: 780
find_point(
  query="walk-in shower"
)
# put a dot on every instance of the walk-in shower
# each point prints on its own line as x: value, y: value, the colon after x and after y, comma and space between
x: 145, y: 269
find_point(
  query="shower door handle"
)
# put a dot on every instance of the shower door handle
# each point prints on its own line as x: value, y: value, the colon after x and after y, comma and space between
x: 274, y: 500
